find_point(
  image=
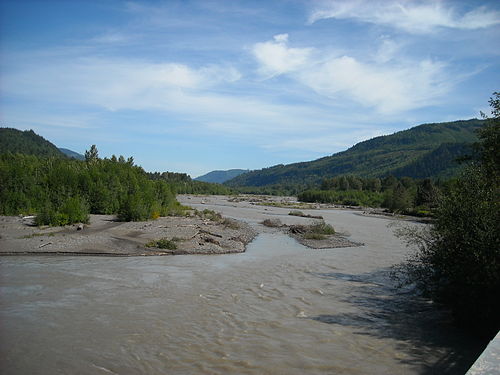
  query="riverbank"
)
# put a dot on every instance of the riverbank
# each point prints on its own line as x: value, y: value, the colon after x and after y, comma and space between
x: 106, y: 236
x: 196, y: 234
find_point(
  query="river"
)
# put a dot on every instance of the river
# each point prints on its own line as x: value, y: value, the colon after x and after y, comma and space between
x: 278, y: 308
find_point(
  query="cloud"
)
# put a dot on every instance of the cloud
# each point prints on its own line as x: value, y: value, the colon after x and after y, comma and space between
x: 412, y: 16
x: 388, y: 84
x: 326, y: 142
x: 388, y: 88
x: 114, y: 83
x: 275, y: 57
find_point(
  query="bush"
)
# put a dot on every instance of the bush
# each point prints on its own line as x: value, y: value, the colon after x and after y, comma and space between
x: 313, y: 236
x: 321, y: 228
x: 349, y: 197
x: 272, y: 223
x: 134, y: 208
x: 163, y: 243
x: 74, y: 210
x: 457, y: 261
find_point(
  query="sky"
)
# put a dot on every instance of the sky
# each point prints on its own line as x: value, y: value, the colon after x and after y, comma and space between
x: 196, y: 86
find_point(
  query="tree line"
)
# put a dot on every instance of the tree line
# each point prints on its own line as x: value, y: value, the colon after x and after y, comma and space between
x: 405, y: 194
x: 63, y: 191
x: 183, y: 184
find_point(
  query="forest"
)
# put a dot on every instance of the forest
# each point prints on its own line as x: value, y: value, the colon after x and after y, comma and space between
x: 403, y: 195
x: 37, y: 178
x: 63, y: 191
x: 424, y: 151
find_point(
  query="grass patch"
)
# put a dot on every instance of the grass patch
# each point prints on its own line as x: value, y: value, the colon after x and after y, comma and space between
x: 230, y: 223
x: 317, y: 231
x: 313, y: 236
x: 163, y: 243
x: 301, y: 214
x: 321, y: 228
x: 209, y: 215
x: 272, y: 223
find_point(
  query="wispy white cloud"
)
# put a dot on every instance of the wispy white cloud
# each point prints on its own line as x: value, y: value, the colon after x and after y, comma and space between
x: 275, y: 57
x: 388, y: 84
x: 411, y: 15
x: 389, y: 89
x: 114, y: 83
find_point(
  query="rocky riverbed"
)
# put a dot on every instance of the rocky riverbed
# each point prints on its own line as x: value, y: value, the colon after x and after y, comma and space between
x: 106, y: 236
x: 202, y: 231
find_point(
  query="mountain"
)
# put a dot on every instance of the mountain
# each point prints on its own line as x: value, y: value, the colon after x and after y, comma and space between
x: 427, y: 150
x: 72, y: 154
x: 220, y: 176
x: 26, y: 142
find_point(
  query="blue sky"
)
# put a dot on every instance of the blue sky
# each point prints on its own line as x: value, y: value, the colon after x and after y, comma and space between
x: 193, y: 86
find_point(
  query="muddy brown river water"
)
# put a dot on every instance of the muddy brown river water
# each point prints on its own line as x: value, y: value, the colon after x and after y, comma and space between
x: 278, y: 308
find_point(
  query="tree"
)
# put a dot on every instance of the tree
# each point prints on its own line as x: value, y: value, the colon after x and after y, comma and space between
x: 457, y: 261
x: 92, y: 155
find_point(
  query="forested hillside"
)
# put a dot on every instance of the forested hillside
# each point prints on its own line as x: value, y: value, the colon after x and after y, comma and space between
x: 26, y: 142
x: 72, y: 154
x: 424, y: 151
x: 220, y: 177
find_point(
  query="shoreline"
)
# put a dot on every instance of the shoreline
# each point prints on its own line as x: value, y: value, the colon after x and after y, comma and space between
x: 190, y: 235
x: 106, y: 237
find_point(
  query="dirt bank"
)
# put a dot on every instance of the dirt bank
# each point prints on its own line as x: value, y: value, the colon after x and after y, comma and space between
x: 105, y: 236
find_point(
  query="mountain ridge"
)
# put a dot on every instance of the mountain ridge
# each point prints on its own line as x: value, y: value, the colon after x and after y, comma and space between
x: 220, y: 176
x: 403, y: 153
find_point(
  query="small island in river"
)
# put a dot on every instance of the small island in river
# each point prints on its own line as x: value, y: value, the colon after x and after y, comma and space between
x: 202, y: 232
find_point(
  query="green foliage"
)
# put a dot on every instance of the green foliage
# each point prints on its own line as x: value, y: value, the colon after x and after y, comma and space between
x: 26, y: 142
x: 163, y: 243
x: 349, y: 197
x: 457, y: 262
x: 210, y: 215
x: 183, y: 184
x: 92, y: 155
x: 74, y: 210
x: 424, y: 151
x: 404, y: 195
x: 321, y: 228
x: 313, y: 236
x: 316, y: 231
x: 60, y: 190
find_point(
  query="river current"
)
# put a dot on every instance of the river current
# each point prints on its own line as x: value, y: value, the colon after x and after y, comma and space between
x: 278, y: 308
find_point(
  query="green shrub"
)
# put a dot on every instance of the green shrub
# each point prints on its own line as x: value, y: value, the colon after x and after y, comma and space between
x: 321, y: 228
x: 313, y: 236
x: 74, y: 210
x: 163, y: 243
x: 134, y: 208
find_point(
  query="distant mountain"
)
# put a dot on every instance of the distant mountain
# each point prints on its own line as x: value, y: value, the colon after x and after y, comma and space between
x: 427, y: 150
x: 26, y: 142
x: 221, y: 176
x: 72, y: 154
